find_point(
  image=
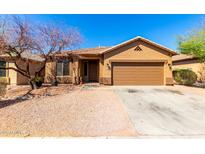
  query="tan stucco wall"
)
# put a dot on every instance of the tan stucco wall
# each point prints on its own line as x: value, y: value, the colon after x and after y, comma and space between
x: 127, y: 52
x: 50, y: 71
x: 6, y: 79
x: 198, y: 68
x: 22, y: 80
x: 15, y: 78
x: 101, y: 69
x: 76, y: 70
x: 12, y: 74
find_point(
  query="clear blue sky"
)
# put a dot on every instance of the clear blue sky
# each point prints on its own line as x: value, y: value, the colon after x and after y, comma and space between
x: 109, y: 30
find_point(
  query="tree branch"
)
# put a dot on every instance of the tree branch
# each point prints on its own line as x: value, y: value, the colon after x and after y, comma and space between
x: 14, y: 59
x: 12, y: 68
x: 28, y: 68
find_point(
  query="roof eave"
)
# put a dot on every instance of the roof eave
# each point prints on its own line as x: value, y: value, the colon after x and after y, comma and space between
x: 139, y: 38
x: 191, y: 58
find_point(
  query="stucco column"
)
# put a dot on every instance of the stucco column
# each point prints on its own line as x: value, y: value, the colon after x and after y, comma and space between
x: 168, y: 79
x: 101, y: 65
x: 76, y: 70
x: 50, y: 72
x: 11, y: 75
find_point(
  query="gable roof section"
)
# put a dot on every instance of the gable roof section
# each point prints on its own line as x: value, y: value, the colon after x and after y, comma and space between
x: 142, y: 39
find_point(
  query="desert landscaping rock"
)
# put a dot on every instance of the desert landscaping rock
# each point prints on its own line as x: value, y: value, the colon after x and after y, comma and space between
x: 79, y: 113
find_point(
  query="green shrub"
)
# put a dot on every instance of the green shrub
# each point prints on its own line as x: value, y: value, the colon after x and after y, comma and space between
x: 38, y: 81
x: 185, y: 76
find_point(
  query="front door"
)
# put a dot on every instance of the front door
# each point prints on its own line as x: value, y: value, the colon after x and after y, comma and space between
x: 93, y: 67
x: 85, y: 71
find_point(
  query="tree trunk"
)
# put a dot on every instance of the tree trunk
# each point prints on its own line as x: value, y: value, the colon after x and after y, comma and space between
x: 32, y: 84
x: 55, y: 82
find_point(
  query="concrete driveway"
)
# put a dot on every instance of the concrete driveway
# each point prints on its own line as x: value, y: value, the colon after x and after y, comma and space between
x: 165, y: 111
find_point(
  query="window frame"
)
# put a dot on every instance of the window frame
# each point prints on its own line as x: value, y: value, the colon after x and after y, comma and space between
x: 4, y: 70
x: 62, y: 68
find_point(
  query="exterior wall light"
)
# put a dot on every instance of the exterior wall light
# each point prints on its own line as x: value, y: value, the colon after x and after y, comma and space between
x: 108, y: 66
x: 170, y: 66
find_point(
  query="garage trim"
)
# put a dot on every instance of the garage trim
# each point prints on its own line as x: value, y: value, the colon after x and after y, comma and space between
x: 130, y: 60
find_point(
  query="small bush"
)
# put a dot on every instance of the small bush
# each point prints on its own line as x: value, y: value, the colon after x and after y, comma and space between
x: 39, y: 81
x: 185, y: 76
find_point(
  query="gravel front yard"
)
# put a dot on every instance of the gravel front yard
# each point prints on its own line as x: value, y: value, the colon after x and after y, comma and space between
x: 82, y: 112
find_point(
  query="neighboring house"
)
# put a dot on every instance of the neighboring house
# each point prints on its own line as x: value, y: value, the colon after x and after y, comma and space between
x: 183, y: 61
x: 14, y: 78
x: 138, y: 61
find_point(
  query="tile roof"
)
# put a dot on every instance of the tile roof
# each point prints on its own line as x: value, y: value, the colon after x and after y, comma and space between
x: 31, y: 56
x: 84, y: 51
x: 95, y: 51
x: 26, y: 55
x: 182, y: 57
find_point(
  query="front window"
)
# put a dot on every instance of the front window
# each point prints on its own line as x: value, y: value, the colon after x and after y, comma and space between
x: 63, y: 68
x: 2, y: 72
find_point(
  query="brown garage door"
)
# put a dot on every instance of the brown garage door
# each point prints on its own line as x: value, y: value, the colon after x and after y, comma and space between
x: 137, y: 73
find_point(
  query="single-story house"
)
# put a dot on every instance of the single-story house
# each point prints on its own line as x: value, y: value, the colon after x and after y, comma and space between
x: 137, y: 61
x: 183, y: 61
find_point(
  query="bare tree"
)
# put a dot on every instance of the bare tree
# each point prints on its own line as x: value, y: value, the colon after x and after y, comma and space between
x: 52, y: 40
x: 18, y: 38
x: 15, y: 40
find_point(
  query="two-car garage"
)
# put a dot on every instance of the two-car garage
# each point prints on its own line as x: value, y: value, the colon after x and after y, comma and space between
x: 138, y: 61
x: 138, y: 73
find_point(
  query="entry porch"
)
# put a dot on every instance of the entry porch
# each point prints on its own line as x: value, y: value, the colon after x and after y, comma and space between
x: 89, y: 69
